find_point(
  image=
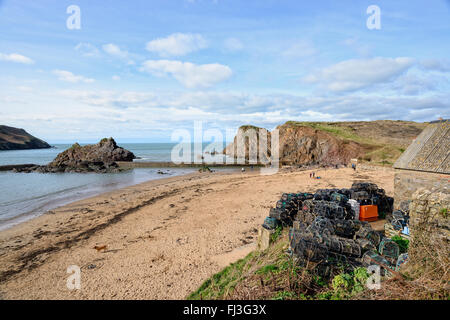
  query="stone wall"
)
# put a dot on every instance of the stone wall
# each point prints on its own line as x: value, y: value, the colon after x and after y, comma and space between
x: 429, y: 212
x: 428, y: 251
x: 406, y: 182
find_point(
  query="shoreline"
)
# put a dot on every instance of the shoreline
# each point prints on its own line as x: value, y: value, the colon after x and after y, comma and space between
x: 77, y: 196
x: 163, y: 237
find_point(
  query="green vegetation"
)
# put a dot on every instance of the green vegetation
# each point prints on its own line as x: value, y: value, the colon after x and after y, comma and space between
x: 274, y: 236
x: 346, y: 285
x: 340, y: 131
x: 382, y: 142
x: 248, y: 126
x: 444, y: 212
x: 403, y: 244
x: 272, y: 274
x: 222, y: 283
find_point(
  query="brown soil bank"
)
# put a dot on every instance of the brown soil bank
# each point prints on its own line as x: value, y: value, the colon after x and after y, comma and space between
x: 331, y: 143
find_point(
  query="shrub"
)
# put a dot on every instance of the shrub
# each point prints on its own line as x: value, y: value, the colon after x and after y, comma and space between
x: 403, y: 244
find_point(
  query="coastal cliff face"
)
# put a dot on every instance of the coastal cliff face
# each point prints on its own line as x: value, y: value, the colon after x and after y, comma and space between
x: 18, y: 139
x: 335, y: 143
x: 308, y: 146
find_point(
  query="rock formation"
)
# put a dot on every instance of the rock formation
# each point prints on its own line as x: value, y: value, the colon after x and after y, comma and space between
x: 100, y: 157
x: 18, y: 139
x: 330, y: 143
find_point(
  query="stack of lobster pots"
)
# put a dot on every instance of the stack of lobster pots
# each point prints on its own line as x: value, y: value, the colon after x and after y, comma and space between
x: 330, y: 227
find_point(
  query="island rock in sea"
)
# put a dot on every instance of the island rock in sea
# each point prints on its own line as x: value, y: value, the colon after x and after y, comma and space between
x: 18, y: 139
x: 100, y: 157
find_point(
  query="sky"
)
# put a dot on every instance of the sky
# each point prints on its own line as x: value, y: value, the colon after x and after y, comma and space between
x: 138, y: 70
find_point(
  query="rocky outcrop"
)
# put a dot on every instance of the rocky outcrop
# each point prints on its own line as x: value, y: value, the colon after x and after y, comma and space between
x: 298, y: 145
x: 247, y: 142
x: 332, y: 143
x: 309, y: 146
x: 100, y: 157
x: 18, y: 139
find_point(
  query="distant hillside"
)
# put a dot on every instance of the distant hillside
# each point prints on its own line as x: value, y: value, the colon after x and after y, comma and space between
x: 18, y: 139
x: 330, y: 143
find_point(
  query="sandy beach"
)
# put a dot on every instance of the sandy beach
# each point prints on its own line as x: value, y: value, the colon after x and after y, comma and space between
x: 163, y: 238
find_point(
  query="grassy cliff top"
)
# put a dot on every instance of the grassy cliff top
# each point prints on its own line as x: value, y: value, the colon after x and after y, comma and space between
x: 383, y: 140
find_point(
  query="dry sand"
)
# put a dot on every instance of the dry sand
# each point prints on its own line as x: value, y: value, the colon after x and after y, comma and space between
x: 163, y: 238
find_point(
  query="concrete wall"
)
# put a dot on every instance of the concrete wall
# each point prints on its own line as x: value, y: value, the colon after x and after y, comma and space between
x: 406, y: 182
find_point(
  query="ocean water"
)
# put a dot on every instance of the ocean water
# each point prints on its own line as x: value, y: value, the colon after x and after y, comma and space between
x: 159, y: 152
x: 26, y: 195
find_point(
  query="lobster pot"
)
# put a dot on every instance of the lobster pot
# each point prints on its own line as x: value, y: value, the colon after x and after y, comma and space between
x: 296, y: 234
x: 337, y: 197
x: 355, y: 207
x: 333, y: 245
x: 402, y: 259
x: 328, y: 209
x: 277, y: 213
x: 351, y: 248
x: 299, y: 225
x: 308, y: 249
x: 390, y: 250
x: 345, y: 228
x: 270, y: 223
x: 369, y: 234
x: 322, y: 223
x: 365, y: 245
x: 371, y: 258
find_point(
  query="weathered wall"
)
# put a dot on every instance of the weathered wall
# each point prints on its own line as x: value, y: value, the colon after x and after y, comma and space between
x: 406, y: 182
x: 430, y: 236
x: 429, y: 212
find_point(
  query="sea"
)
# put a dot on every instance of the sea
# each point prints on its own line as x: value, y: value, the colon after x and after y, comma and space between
x: 27, y: 195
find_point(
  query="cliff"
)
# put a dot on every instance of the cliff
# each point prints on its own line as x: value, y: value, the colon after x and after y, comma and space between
x: 335, y: 143
x: 18, y: 139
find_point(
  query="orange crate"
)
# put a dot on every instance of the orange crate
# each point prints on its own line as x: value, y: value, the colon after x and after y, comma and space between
x: 368, y: 213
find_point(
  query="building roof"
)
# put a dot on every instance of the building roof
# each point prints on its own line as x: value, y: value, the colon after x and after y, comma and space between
x: 430, y: 151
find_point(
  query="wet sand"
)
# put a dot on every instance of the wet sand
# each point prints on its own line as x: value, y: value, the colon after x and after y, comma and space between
x: 163, y: 238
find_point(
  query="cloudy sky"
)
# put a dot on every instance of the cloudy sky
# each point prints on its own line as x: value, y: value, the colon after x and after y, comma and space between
x: 136, y: 70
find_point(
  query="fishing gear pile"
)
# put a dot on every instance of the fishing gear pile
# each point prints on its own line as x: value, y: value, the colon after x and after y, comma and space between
x: 330, y: 227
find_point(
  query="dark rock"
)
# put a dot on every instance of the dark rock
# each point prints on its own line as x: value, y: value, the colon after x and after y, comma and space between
x: 100, y: 158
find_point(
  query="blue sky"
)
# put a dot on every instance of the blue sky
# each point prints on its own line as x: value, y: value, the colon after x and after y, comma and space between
x: 137, y: 70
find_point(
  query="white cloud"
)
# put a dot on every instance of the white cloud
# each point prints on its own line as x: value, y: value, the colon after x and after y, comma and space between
x: 87, y: 49
x: 68, y: 76
x: 15, y: 57
x: 300, y: 49
x: 116, y: 78
x: 177, y: 44
x: 233, y: 44
x: 359, y: 73
x: 436, y: 65
x: 188, y: 74
x: 114, y: 50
